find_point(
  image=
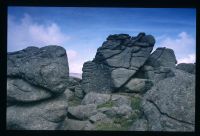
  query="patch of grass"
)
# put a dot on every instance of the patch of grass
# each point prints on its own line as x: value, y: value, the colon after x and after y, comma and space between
x: 135, y: 103
x: 107, y: 126
x: 74, y: 102
x: 125, y: 123
x: 108, y: 104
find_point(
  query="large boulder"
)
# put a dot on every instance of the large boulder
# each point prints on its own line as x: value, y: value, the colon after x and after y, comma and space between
x: 170, y: 104
x: 36, y: 80
x: 188, y: 67
x: 116, y: 61
x: 43, y: 115
x: 46, y: 67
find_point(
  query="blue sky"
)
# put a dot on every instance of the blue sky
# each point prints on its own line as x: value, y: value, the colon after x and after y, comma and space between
x: 82, y: 30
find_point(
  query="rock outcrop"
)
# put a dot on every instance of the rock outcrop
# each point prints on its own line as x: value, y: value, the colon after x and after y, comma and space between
x: 125, y: 87
x: 116, y: 61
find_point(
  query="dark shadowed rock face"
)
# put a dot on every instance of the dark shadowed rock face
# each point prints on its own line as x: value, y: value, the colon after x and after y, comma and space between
x: 96, y: 78
x: 116, y: 61
x: 188, y: 67
x: 46, y: 67
x: 170, y: 104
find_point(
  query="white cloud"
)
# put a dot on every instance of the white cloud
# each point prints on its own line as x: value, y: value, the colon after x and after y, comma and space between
x: 191, y: 58
x: 183, y: 40
x: 183, y: 45
x: 27, y: 32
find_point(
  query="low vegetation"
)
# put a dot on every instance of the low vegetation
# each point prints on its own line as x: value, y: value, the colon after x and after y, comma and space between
x: 135, y: 103
x: 108, y: 104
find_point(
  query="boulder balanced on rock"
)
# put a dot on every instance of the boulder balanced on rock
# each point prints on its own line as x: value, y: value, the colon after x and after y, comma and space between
x: 116, y: 61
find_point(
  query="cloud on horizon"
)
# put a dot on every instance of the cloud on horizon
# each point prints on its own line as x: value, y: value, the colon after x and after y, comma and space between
x: 26, y: 32
x: 184, y: 46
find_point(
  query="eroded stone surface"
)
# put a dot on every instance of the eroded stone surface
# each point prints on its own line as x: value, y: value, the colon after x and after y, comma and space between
x: 172, y: 98
x: 116, y: 61
x: 46, y: 67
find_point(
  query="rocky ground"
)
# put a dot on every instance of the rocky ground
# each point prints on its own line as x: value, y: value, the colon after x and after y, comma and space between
x: 125, y: 87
